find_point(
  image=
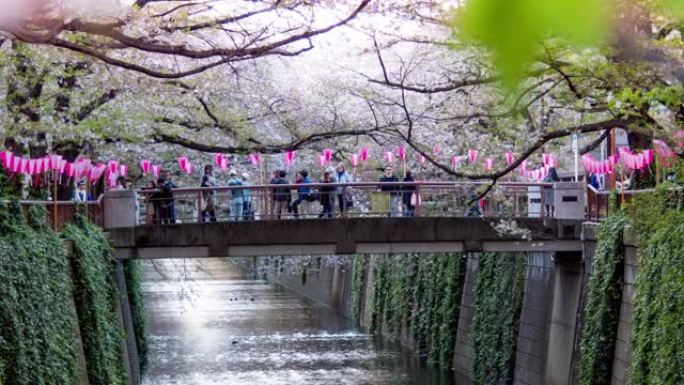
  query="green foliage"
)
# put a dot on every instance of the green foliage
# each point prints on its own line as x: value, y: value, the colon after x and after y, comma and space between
x: 96, y: 303
x: 658, y: 325
x: 133, y: 271
x: 602, y: 311
x: 498, y: 304
x: 358, y: 279
x: 418, y: 295
x: 37, y: 321
x: 514, y: 30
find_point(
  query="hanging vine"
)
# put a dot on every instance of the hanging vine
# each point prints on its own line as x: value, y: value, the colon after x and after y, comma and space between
x: 604, y: 296
x: 133, y: 272
x: 498, y: 304
x: 419, y: 294
x: 37, y: 322
x: 658, y: 325
x: 96, y: 296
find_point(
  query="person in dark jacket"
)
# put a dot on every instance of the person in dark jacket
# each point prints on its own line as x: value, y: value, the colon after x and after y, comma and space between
x: 327, y: 195
x: 281, y: 195
x: 549, y: 192
x: 303, y: 191
x: 407, y: 193
x: 172, y: 203
x: 393, y: 190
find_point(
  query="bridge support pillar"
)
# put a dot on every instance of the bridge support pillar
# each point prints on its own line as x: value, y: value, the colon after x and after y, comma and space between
x: 120, y: 209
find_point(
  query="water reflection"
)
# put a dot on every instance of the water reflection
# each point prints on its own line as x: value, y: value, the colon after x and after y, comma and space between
x: 210, y: 326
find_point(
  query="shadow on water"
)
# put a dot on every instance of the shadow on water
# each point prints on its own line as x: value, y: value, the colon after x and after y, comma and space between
x: 210, y: 326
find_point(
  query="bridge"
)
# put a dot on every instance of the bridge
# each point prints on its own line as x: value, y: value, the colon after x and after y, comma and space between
x: 512, y: 217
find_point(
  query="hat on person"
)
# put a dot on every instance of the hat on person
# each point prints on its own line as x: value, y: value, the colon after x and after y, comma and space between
x: 245, y: 175
x: 232, y: 173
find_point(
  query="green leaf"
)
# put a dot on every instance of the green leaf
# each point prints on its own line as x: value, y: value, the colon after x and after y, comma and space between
x: 513, y: 30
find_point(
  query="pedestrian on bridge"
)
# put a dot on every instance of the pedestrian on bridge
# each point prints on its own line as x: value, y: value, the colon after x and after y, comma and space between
x: 282, y: 196
x: 344, y: 196
x: 247, y: 209
x: 208, y: 204
x: 327, y: 195
x: 236, y: 197
x: 172, y: 202
x: 549, y: 192
x: 393, y: 190
x: 303, y: 191
x: 408, y: 196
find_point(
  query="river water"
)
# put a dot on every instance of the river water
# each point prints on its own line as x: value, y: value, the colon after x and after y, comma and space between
x: 211, y: 325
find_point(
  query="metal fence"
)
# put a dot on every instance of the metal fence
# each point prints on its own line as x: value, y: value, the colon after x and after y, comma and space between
x: 331, y: 200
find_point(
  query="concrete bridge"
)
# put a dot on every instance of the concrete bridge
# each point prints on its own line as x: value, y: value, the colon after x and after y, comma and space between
x: 514, y: 219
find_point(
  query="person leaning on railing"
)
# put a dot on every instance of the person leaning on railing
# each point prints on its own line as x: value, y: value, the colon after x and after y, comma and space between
x: 408, y: 196
x: 393, y: 190
x: 303, y: 191
x: 236, y: 197
x: 281, y: 195
x: 344, y: 194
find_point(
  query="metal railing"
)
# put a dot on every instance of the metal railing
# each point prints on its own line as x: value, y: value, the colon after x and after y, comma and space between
x: 331, y: 200
x: 598, y: 202
x: 61, y: 213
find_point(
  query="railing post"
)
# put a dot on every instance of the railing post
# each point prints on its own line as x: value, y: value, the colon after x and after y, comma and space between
x: 542, y: 199
x: 343, y: 214
x: 200, y: 216
x: 517, y: 202
x: 419, y: 202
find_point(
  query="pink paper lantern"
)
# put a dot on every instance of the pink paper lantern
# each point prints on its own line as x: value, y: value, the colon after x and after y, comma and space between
x: 123, y: 170
x: 145, y: 166
x: 6, y: 157
x: 328, y: 155
x: 54, y: 162
x: 364, y: 155
x: 289, y: 158
x: 183, y: 163
x: 189, y: 168
x: 62, y: 165
x: 355, y: 160
x: 510, y: 158
x: 488, y: 163
x: 401, y: 152
x: 255, y: 158
x: 219, y: 160
x: 649, y: 157
x: 16, y: 164
x: 472, y: 156
x: 389, y: 156
x: 155, y: 170
x: 225, y: 162
x: 455, y: 160
x: 546, y: 159
x: 421, y: 159
x: 435, y: 151
x: 321, y: 160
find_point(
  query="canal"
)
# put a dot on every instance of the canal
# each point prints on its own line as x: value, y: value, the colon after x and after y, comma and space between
x: 210, y: 324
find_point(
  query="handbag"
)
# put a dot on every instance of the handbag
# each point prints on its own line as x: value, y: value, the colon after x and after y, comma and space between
x: 415, y: 199
x: 348, y: 199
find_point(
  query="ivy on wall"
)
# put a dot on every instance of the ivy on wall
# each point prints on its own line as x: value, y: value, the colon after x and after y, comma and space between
x: 96, y: 303
x: 37, y: 322
x: 133, y: 271
x: 604, y: 296
x: 658, y: 324
x: 416, y: 296
x: 358, y: 280
x: 498, y: 303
